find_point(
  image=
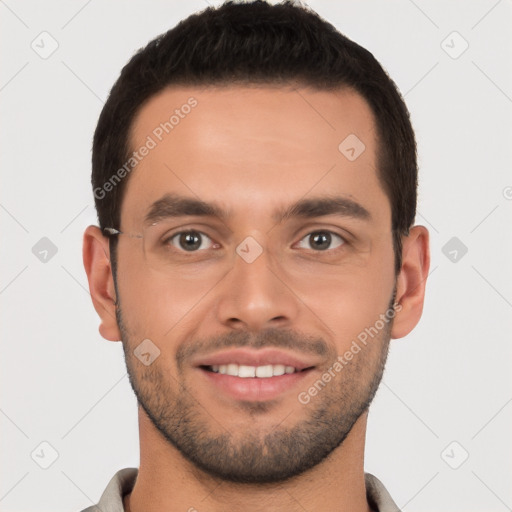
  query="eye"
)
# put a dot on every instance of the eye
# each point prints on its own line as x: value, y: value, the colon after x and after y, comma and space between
x: 322, y: 240
x: 190, y: 241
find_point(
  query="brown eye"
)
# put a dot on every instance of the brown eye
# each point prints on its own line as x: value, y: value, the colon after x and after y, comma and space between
x: 322, y: 241
x: 190, y: 241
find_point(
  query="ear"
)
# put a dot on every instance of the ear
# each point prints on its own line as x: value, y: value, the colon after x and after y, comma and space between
x: 411, y: 281
x: 96, y: 257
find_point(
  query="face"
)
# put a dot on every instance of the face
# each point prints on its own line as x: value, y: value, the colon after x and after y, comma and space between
x: 274, y: 249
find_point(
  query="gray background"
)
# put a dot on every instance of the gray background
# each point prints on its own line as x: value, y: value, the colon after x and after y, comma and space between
x: 446, y: 391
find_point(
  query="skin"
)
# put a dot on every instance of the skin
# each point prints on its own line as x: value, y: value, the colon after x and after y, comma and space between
x: 252, y: 150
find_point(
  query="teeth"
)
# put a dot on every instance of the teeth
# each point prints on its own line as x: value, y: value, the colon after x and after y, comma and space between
x: 264, y: 371
x: 278, y: 369
x: 243, y: 371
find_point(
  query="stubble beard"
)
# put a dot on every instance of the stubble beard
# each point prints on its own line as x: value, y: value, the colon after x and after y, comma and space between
x: 265, y: 454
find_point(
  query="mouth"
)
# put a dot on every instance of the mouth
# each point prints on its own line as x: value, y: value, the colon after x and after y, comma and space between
x: 260, y: 372
x: 254, y: 383
x: 257, y: 375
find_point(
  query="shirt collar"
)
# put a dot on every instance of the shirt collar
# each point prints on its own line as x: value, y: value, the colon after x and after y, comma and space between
x: 123, y: 482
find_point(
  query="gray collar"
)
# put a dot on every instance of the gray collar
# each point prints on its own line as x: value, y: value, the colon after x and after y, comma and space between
x: 123, y: 482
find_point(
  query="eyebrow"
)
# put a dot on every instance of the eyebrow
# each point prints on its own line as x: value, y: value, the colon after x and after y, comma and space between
x: 173, y: 205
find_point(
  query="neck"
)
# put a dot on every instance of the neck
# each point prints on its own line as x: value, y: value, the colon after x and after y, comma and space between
x: 167, y: 481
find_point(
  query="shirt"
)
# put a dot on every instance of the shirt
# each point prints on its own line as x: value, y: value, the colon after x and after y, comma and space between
x: 123, y: 481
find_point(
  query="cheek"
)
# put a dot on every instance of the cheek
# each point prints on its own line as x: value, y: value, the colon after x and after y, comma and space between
x: 348, y: 303
x: 141, y: 300
x: 157, y: 306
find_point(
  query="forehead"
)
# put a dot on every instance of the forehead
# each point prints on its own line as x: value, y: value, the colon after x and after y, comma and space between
x: 253, y: 147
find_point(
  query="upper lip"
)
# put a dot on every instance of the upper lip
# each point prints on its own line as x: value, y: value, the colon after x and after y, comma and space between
x: 255, y: 358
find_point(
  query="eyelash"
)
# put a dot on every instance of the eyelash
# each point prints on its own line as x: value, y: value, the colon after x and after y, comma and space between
x: 343, y: 243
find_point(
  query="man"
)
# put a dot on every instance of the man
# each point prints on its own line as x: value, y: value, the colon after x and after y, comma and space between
x: 255, y: 179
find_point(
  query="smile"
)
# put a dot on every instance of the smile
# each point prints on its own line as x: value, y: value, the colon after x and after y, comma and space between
x: 245, y: 371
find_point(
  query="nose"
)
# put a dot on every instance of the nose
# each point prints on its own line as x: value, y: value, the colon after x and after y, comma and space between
x: 256, y: 295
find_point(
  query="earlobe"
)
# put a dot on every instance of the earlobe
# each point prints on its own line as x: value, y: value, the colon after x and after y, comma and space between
x: 101, y: 282
x: 411, y: 281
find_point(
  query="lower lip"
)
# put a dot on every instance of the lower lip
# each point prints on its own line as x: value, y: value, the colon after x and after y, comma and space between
x: 255, y: 388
